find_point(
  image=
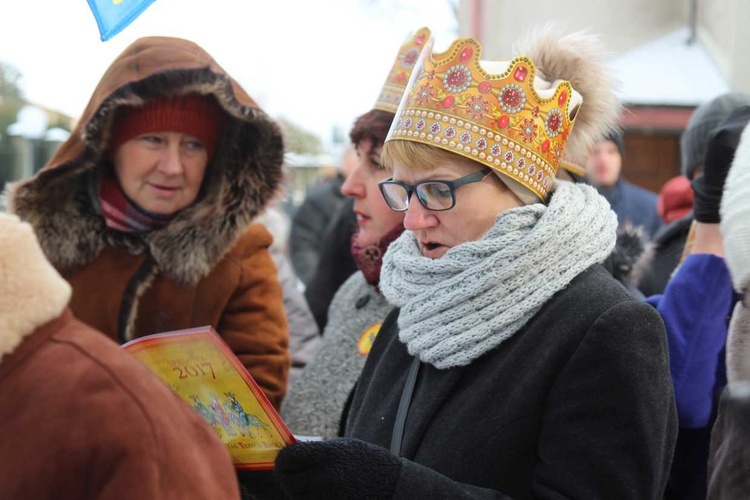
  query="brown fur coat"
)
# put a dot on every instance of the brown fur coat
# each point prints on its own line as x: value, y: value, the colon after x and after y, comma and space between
x: 81, y: 418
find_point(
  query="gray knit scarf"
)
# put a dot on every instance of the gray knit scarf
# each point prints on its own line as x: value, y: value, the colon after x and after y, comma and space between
x: 480, y: 293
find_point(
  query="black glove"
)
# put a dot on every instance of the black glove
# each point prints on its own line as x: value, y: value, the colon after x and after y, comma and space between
x: 722, y: 144
x: 339, y: 468
x: 260, y: 485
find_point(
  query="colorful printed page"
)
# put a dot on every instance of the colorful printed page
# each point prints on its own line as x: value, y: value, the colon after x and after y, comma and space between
x: 203, y: 371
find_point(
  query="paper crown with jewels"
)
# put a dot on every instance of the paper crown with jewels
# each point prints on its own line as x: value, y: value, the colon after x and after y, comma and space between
x: 403, y: 66
x: 501, y: 114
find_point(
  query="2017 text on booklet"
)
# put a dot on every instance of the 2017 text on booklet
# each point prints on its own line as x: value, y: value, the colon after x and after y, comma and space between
x: 203, y: 371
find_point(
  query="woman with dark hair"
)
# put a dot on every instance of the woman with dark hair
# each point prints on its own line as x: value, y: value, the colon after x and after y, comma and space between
x: 317, y: 401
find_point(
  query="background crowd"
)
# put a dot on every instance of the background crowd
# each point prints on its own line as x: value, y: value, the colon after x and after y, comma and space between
x: 477, y: 305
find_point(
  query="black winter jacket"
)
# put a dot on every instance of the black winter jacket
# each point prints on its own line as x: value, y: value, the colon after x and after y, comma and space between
x: 578, y: 404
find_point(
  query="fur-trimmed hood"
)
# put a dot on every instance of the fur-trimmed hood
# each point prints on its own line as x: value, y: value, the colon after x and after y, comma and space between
x: 241, y: 178
x: 32, y: 293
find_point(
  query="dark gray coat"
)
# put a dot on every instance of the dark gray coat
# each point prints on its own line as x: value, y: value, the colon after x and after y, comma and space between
x: 577, y: 404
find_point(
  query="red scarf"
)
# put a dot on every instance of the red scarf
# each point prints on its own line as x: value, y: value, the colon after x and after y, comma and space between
x: 122, y: 214
x: 370, y: 258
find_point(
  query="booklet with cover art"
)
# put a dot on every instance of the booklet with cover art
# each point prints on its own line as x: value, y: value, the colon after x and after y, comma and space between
x: 203, y: 371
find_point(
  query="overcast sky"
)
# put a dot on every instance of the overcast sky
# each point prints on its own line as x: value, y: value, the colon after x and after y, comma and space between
x: 318, y: 63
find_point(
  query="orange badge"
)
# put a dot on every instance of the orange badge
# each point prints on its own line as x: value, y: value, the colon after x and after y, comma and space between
x: 367, y: 338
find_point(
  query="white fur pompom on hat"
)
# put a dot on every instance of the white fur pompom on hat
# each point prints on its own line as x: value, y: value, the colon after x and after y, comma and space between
x: 578, y: 58
x: 735, y: 216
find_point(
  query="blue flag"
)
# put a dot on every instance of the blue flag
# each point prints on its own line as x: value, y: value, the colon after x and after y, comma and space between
x: 113, y: 16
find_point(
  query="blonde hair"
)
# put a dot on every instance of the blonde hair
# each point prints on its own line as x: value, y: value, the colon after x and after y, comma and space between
x: 418, y: 156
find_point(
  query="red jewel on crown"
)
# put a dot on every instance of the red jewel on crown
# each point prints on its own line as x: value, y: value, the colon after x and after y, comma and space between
x: 520, y: 73
x: 528, y: 130
x: 553, y: 122
x: 477, y: 107
x: 411, y: 57
x: 424, y: 93
x: 457, y: 79
x: 512, y: 98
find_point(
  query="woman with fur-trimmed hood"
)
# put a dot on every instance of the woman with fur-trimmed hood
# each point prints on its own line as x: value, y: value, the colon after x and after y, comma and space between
x: 147, y: 210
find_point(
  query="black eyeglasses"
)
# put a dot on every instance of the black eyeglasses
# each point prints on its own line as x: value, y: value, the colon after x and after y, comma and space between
x: 433, y: 195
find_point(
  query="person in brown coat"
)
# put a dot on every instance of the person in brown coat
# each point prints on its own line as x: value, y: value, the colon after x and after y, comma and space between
x: 82, y: 418
x: 147, y: 210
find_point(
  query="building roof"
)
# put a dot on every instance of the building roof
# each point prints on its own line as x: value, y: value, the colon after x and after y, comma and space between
x: 669, y: 71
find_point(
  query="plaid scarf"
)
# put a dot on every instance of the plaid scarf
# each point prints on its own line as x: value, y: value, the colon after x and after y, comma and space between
x: 122, y: 214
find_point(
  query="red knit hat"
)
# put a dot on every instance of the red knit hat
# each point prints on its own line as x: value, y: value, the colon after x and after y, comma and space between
x: 675, y: 199
x: 194, y: 114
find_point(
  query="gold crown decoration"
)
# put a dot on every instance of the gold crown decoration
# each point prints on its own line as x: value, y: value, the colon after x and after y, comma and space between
x: 500, y: 114
x: 403, y: 66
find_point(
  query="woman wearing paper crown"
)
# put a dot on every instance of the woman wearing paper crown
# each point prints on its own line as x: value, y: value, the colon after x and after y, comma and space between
x: 514, y: 366
x: 147, y: 210
x: 316, y: 403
